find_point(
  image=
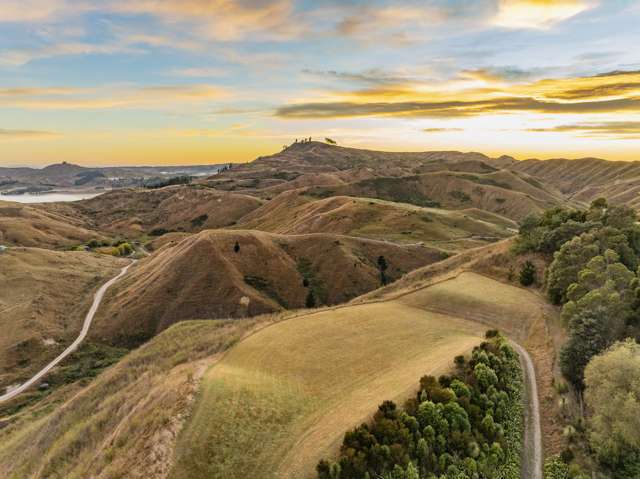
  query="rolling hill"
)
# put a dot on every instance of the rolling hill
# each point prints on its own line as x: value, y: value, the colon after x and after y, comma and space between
x: 275, y: 393
x: 453, y: 180
x: 296, y: 212
x: 586, y: 179
x: 56, y: 226
x: 135, y: 212
x: 203, y: 276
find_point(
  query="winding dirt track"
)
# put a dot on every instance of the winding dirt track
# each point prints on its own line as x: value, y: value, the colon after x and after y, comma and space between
x: 97, y: 299
x: 532, y: 446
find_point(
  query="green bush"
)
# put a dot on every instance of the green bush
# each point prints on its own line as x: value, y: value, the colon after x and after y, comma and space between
x: 527, y: 274
x: 125, y: 249
x: 556, y: 468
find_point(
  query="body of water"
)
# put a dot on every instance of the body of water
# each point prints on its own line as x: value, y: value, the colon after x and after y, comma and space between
x: 48, y: 197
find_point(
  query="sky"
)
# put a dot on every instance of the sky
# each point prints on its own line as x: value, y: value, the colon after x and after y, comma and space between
x: 112, y: 82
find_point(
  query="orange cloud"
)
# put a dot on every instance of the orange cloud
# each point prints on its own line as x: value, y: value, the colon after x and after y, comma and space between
x: 611, y: 92
x: 94, y: 99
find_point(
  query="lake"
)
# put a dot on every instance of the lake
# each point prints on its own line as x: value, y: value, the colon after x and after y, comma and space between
x: 48, y: 197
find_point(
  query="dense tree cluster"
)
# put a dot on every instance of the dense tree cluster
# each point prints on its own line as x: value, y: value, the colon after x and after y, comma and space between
x: 467, y: 425
x: 593, y: 275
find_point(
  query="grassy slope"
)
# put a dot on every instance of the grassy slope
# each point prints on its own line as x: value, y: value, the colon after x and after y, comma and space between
x: 283, y: 397
x: 502, y: 193
x: 294, y: 213
x: 124, y: 423
x: 203, y: 277
x: 273, y: 404
x: 53, y: 227
x: 134, y: 212
x: 49, y: 295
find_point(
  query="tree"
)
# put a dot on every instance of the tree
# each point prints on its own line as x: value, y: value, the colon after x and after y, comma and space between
x: 236, y: 247
x: 330, y: 141
x: 574, y: 255
x: 310, y: 301
x: 382, y: 267
x: 588, y: 337
x: 613, y: 396
x: 567, y: 263
x: 527, y: 274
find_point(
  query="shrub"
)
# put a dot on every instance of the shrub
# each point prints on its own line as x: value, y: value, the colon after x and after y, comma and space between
x: 158, y: 232
x: 199, y: 221
x: 125, y: 249
x: 527, y: 274
x: 556, y: 468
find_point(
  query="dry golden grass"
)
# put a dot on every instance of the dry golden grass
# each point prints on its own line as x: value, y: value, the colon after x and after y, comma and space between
x: 272, y: 405
x: 125, y: 422
x: 292, y: 212
x: 134, y: 212
x: 33, y: 225
x: 43, y: 300
x: 283, y: 397
x: 203, y: 277
x: 483, y: 300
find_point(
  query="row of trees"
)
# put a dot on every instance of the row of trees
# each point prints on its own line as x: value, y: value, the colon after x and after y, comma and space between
x: 466, y: 425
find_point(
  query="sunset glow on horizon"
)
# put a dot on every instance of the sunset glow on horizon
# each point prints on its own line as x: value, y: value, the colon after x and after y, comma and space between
x: 212, y: 81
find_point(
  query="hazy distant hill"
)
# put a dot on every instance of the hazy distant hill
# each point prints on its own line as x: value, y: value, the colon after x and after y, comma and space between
x: 67, y: 176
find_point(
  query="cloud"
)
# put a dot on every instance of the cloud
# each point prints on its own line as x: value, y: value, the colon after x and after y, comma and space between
x: 223, y: 20
x: 108, y: 98
x: 622, y: 130
x: 374, y: 76
x: 453, y: 108
x: 604, y: 85
x: 25, y: 134
x: 23, y: 56
x: 441, y: 130
x: 604, y: 93
x: 29, y: 11
x: 389, y: 23
x: 504, y: 74
x: 206, y: 72
x: 537, y: 14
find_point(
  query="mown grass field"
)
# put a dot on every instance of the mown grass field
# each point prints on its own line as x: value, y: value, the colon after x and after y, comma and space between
x: 282, y: 398
x: 481, y: 299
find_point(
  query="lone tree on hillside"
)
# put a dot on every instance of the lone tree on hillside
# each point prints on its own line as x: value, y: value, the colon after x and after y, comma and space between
x: 236, y: 247
x: 330, y: 141
x: 528, y: 274
x: 310, y: 301
x: 382, y: 267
